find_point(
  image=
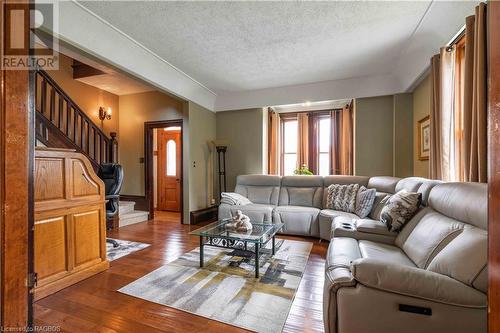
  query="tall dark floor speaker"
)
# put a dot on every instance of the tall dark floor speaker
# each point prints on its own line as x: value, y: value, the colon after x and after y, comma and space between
x: 221, y: 161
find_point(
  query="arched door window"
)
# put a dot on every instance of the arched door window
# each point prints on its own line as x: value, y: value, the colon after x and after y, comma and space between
x: 171, y: 158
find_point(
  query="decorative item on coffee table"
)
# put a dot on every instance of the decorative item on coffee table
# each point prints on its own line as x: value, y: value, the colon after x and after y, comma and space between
x: 241, y: 222
x: 218, y: 235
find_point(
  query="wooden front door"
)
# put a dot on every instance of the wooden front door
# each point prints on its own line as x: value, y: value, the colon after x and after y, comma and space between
x: 169, y: 170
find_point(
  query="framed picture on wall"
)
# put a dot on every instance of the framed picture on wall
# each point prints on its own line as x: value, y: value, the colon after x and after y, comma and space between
x: 424, y: 138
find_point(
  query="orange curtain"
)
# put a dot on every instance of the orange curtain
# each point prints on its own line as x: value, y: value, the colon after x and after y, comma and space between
x: 458, y: 106
x: 274, y: 124
x: 341, y: 148
x: 346, y: 141
x: 475, y: 87
x: 303, y: 140
x: 435, y: 120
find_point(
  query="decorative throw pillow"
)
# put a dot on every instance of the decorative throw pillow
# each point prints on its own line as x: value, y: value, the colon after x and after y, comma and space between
x: 381, y: 199
x: 364, y: 201
x: 400, y: 209
x: 342, y: 197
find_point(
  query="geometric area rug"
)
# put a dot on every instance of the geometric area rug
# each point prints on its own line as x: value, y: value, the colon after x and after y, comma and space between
x: 124, y: 248
x: 225, y: 289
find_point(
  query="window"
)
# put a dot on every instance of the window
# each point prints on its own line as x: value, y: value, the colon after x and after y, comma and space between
x: 171, y: 158
x: 290, y: 140
x: 323, y: 153
x: 320, y: 140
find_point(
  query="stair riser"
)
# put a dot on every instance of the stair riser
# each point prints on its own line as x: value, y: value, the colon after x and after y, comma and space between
x: 133, y: 220
x: 126, y: 209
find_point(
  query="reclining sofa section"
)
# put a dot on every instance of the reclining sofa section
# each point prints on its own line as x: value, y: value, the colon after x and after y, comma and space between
x: 299, y: 201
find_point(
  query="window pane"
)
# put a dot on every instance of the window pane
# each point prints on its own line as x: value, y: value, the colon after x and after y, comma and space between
x: 324, y: 164
x: 171, y: 158
x: 290, y: 136
x: 290, y: 164
x: 324, y: 135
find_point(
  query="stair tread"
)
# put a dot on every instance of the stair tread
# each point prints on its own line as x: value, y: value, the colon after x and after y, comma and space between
x: 126, y: 203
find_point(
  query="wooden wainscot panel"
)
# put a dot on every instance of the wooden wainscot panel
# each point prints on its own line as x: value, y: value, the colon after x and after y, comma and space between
x: 87, y: 237
x: 51, y: 255
x: 70, y: 225
x: 49, y: 176
x: 82, y: 182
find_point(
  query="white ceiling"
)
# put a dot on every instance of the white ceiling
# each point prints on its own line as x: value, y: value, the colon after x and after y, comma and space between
x: 239, y: 46
x: 116, y: 83
x: 261, y: 53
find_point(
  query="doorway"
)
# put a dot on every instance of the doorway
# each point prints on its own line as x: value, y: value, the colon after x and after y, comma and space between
x: 164, y: 165
x: 168, y: 171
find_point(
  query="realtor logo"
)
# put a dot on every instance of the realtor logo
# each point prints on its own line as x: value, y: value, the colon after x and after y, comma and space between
x: 33, y: 47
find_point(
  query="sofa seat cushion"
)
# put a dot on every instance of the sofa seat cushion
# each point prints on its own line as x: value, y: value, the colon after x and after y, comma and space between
x: 385, y: 252
x: 258, y: 213
x: 327, y: 219
x: 297, y: 220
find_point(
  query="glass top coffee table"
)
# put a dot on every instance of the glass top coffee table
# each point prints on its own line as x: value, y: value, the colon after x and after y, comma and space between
x: 216, y: 234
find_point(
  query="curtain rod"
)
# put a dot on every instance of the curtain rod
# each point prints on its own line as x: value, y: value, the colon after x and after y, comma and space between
x: 455, y: 38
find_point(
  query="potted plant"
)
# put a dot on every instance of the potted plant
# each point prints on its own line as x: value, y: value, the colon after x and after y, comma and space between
x: 303, y: 170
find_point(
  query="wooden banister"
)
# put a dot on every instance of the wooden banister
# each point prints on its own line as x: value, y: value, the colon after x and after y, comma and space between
x: 63, y: 122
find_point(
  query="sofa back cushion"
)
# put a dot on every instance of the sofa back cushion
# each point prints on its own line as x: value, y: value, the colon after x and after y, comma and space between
x: 304, y: 191
x: 449, y: 236
x: 464, y: 258
x: 384, y: 184
x: 466, y: 202
x: 259, y: 189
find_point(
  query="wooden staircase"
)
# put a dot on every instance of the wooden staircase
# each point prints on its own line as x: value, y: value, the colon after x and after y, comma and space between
x: 61, y: 123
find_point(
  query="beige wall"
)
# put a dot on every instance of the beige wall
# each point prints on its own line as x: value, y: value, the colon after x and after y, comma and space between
x: 403, y: 135
x: 88, y: 98
x: 135, y: 110
x: 373, y: 137
x: 198, y: 129
x: 421, y: 108
x: 244, y: 131
x: 202, y: 129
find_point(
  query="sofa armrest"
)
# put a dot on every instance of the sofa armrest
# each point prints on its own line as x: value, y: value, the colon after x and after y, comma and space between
x: 416, y: 282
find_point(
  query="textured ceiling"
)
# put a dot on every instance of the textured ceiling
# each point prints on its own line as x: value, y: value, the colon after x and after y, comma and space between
x: 238, y: 46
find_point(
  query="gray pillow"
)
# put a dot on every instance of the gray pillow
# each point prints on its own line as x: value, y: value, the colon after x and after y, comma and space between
x: 364, y: 201
x: 399, y: 209
x: 342, y: 197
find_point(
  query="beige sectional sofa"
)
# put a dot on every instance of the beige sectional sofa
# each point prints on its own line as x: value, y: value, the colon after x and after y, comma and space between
x: 429, y: 277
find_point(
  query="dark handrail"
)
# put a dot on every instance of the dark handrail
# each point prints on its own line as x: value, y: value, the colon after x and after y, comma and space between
x: 82, y: 133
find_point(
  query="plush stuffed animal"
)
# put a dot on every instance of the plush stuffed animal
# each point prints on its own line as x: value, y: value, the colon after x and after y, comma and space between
x: 241, y: 222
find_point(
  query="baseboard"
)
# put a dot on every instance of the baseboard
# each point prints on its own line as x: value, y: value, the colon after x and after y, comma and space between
x: 140, y: 201
x: 208, y: 214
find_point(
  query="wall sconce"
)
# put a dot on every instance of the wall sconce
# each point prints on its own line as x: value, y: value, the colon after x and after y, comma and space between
x: 104, y: 114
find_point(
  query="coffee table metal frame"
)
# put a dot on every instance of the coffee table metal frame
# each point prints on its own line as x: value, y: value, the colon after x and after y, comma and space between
x: 215, y: 234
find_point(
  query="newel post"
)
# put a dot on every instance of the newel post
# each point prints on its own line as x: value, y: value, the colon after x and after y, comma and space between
x: 113, y: 151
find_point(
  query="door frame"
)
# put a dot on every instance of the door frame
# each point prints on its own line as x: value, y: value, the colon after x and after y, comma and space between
x: 148, y: 160
x: 493, y: 121
x: 16, y: 189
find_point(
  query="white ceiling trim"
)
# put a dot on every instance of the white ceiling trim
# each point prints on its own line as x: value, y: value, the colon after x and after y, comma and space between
x: 313, y: 92
x: 86, y: 31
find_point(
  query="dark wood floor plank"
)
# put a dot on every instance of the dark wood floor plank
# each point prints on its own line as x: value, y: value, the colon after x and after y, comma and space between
x: 94, y: 305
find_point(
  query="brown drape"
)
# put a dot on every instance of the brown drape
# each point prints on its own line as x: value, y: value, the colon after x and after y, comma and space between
x: 303, y: 140
x: 273, y: 142
x: 435, y: 119
x: 475, y: 112
x: 341, y: 148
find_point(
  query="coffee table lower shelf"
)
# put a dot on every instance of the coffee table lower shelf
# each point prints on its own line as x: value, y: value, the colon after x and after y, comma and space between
x: 235, y: 245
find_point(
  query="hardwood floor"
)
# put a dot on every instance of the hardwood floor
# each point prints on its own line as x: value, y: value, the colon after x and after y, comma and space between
x: 94, y: 305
